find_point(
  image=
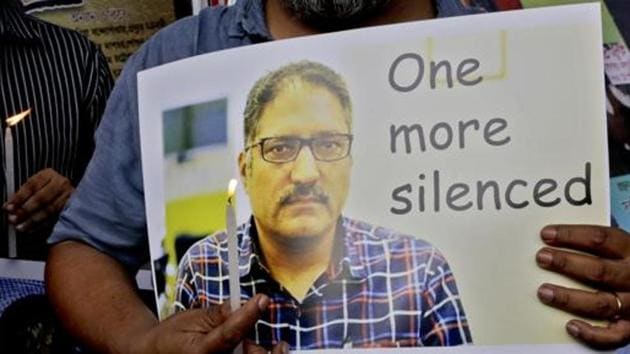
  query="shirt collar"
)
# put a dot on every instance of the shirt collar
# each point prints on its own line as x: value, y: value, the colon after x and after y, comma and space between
x: 250, y: 20
x: 449, y: 8
x: 346, y: 260
x: 250, y: 16
x: 17, y: 26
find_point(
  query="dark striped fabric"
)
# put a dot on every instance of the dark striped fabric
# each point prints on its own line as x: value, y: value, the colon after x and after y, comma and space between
x: 64, y: 79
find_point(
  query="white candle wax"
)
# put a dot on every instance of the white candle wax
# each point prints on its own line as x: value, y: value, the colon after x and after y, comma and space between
x: 235, y: 286
x: 10, y: 184
x: 232, y: 241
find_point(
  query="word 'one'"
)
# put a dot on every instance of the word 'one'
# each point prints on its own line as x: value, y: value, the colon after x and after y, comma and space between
x: 464, y: 72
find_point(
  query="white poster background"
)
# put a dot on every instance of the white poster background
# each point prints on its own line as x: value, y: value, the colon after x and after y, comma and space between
x: 542, y: 72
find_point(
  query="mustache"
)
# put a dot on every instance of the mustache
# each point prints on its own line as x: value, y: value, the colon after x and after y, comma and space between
x: 301, y: 191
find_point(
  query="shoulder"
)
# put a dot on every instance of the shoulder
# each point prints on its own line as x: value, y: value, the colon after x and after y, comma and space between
x: 187, y: 37
x: 209, y: 247
x: 381, y: 245
x: 61, y: 39
x: 205, y: 256
x: 363, y: 232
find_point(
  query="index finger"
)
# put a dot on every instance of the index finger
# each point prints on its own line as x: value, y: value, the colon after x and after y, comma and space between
x: 231, y: 332
x: 28, y: 189
x: 603, y: 241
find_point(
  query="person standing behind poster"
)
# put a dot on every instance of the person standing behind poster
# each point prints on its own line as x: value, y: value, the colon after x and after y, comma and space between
x: 64, y: 81
x: 109, y: 242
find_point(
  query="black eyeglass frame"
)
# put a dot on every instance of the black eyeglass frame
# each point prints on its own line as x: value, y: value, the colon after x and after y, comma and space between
x: 303, y: 142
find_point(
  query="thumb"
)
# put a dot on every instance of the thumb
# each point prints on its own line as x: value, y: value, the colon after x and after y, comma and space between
x: 231, y: 332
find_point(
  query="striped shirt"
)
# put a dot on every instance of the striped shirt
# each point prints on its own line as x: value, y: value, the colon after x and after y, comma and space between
x: 382, y: 289
x: 65, y: 81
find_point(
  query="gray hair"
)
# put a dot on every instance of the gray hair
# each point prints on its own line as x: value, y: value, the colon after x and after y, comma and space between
x: 268, y: 87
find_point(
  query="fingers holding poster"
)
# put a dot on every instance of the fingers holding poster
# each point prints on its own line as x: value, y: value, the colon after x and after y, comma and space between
x: 392, y: 192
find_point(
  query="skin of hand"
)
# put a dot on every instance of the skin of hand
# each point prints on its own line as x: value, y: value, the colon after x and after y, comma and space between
x: 207, y: 331
x: 38, y: 201
x: 108, y: 316
x: 603, y: 262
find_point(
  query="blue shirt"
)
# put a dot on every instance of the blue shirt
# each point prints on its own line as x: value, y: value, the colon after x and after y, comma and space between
x: 107, y: 209
x: 381, y: 289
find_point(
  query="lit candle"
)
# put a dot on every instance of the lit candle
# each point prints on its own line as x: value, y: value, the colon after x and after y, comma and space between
x: 9, y: 172
x: 232, y: 241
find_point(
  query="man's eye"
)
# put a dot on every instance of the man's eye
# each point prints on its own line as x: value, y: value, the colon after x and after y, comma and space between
x: 329, y: 144
x: 280, y: 148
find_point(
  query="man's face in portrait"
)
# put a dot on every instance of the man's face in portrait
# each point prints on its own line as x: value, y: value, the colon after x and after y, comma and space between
x: 297, y: 170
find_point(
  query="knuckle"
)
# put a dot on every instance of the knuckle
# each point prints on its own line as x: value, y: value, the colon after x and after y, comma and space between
x: 598, y: 272
x: 599, y: 237
x: 33, y: 204
x: 30, y: 188
x: 50, y: 209
x: 561, y: 298
x: 559, y: 261
x: 213, y: 317
x: 564, y: 234
x: 603, y: 304
x: 38, y: 217
x: 231, y: 336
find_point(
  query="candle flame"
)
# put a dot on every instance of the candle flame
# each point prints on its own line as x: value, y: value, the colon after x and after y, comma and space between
x: 232, y: 189
x: 11, y: 121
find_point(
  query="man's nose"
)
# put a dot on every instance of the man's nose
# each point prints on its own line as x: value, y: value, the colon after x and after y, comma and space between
x: 305, y: 169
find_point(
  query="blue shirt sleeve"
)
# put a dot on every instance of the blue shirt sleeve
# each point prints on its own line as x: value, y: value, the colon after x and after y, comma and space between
x: 107, y: 210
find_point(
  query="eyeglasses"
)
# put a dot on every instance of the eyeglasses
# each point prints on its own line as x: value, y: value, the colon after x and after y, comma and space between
x: 284, y: 149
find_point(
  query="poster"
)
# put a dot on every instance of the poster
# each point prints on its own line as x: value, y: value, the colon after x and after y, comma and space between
x: 119, y: 27
x: 456, y: 137
x: 616, y: 31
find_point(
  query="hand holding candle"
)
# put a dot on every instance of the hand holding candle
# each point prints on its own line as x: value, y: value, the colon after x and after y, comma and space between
x: 39, y: 200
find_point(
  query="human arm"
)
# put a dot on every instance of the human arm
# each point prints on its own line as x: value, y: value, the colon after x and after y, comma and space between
x: 604, y: 264
x: 125, y: 324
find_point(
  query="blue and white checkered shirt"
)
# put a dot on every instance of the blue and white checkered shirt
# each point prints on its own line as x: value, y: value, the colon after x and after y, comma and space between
x: 382, y: 289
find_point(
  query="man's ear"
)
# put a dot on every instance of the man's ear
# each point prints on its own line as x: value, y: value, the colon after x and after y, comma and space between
x: 242, y: 168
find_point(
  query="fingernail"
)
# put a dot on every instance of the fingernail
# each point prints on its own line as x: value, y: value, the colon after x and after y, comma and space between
x: 573, y: 329
x: 284, y: 348
x: 549, y: 234
x: 545, y: 294
x: 262, y: 303
x: 20, y: 227
x: 12, y: 218
x: 544, y: 258
x: 10, y: 207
